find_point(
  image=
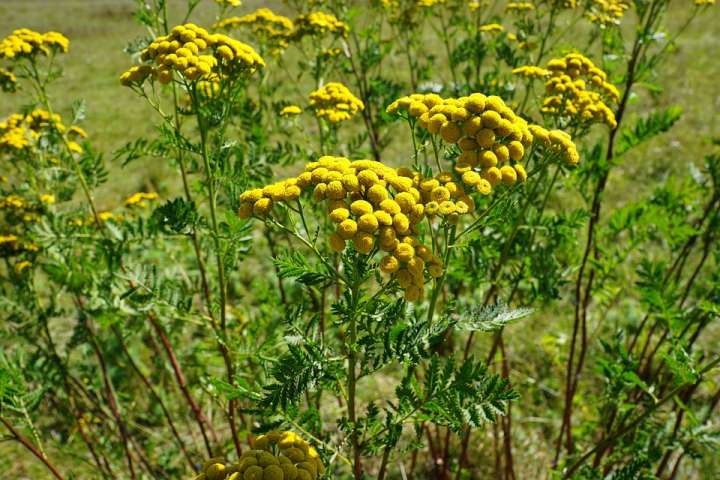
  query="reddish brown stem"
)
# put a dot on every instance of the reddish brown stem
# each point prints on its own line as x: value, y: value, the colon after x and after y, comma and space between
x: 156, y: 396
x: 28, y: 445
x: 182, y: 384
x: 112, y: 402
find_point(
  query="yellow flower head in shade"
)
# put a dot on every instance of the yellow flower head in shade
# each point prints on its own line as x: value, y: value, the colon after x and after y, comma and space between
x: 607, y: 12
x: 140, y: 199
x: 491, y: 28
x: 47, y: 198
x: 428, y: 3
x: 519, y: 6
x: 274, y: 456
x: 319, y: 24
x: 270, y: 29
x: 335, y: 103
x: 8, y: 82
x: 704, y: 3
x: 575, y: 88
x: 25, y: 43
x: 193, y: 53
x: 290, y: 111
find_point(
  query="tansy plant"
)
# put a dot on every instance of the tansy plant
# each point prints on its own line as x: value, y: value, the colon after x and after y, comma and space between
x: 356, y: 200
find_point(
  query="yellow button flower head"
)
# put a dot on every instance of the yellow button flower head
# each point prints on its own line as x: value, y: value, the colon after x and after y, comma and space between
x: 335, y: 103
x: 487, y: 132
x: 318, y: 24
x: 272, y: 30
x: 519, y: 6
x: 140, y: 199
x: 491, y: 28
x: 290, y: 111
x: 576, y: 89
x: 25, y: 43
x: 194, y: 54
x: 607, y: 12
x: 19, y: 132
x: 374, y: 207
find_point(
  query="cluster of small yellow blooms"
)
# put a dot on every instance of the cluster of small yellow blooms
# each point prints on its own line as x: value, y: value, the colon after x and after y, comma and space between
x: 703, y: 3
x: 491, y: 28
x: 25, y: 43
x: 575, y: 88
x: 13, y: 202
x: 12, y: 245
x: 290, y: 111
x: 335, y: 103
x: 487, y: 131
x: 19, y: 131
x: 8, y: 82
x: 556, y: 141
x: 474, y: 6
x: 193, y: 53
x: 373, y: 205
x: 140, y: 199
x: 18, y: 209
x: 520, y: 6
x: 318, y: 24
x: 531, y: 71
x: 607, y: 12
x: 269, y: 28
x: 275, y: 456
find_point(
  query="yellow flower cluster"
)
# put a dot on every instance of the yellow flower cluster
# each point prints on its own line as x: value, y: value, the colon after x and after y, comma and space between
x: 487, y: 131
x: 25, y: 43
x: 556, y: 141
x: 520, y: 6
x: 290, y: 111
x: 140, y: 199
x: 193, y: 53
x: 275, y: 456
x: 271, y: 29
x: 375, y: 207
x: 607, y: 12
x: 703, y: 3
x: 569, y: 94
x: 19, y: 131
x: 18, y: 209
x: 335, y: 103
x: 491, y: 28
x: 318, y: 24
x: 11, y: 245
x: 531, y: 71
x: 8, y: 82
x: 229, y: 3
x: 575, y: 88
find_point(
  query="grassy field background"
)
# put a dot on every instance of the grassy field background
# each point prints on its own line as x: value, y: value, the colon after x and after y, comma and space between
x: 99, y: 31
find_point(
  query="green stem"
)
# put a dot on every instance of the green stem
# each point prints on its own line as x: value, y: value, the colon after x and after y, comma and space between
x: 449, y: 243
